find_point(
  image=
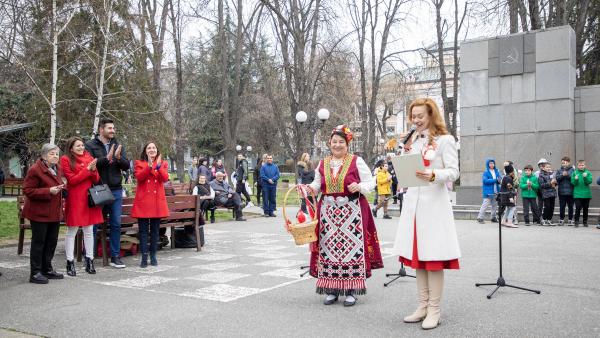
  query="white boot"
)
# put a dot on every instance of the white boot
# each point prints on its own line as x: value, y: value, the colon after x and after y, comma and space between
x: 423, y: 297
x: 435, y: 280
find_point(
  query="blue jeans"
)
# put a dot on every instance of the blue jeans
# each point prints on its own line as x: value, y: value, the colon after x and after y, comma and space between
x: 154, y: 224
x: 269, y: 199
x: 114, y: 212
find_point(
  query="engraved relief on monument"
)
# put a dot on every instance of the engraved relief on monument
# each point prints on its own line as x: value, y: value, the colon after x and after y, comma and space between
x: 511, y: 55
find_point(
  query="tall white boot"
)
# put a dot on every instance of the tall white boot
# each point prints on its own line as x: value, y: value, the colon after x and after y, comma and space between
x: 435, y: 279
x: 423, y: 297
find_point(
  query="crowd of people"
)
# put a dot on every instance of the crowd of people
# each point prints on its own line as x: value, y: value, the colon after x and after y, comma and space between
x: 539, y: 191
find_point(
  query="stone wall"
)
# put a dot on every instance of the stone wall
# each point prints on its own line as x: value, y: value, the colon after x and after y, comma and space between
x: 587, y: 126
x: 517, y: 102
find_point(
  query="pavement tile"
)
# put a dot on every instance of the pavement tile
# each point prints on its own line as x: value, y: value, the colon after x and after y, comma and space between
x: 222, y: 292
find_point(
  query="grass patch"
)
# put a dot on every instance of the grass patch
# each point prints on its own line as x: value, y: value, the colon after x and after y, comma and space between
x: 9, y: 220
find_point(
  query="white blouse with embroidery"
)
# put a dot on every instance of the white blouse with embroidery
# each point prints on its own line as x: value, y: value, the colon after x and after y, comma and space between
x: 367, y: 182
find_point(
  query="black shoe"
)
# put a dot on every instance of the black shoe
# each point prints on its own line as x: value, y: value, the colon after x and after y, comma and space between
x: 527, y: 224
x: 115, y: 262
x: 153, y: 261
x: 266, y: 215
x: 89, y: 266
x: 329, y: 301
x: 374, y: 212
x: 53, y: 275
x: 71, y: 269
x: 144, y: 262
x: 38, y: 278
x: 240, y: 219
x: 576, y: 224
x: 494, y: 220
x: 387, y: 217
x: 272, y: 215
x: 212, y: 219
x: 480, y: 221
x: 585, y: 225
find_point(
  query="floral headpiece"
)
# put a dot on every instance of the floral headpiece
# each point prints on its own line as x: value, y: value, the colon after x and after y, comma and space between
x: 343, y: 129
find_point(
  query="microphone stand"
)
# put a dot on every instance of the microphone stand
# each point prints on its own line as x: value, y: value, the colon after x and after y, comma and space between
x: 500, y: 282
x: 401, y: 273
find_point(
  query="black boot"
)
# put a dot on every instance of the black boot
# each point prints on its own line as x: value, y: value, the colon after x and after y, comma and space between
x: 89, y: 266
x: 153, y: 261
x: 144, y: 262
x: 212, y: 216
x: 71, y: 268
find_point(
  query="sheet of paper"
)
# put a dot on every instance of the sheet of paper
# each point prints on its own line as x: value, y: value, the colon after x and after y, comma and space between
x: 405, y: 167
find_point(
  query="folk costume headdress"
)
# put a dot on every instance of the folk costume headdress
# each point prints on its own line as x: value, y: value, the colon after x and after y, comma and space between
x: 343, y: 131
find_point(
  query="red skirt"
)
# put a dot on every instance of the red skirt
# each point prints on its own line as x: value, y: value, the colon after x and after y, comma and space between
x: 415, y: 263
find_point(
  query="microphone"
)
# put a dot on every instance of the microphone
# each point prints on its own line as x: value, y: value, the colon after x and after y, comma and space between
x: 411, y: 131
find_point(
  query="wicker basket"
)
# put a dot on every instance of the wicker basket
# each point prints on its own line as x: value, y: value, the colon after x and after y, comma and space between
x: 303, y: 233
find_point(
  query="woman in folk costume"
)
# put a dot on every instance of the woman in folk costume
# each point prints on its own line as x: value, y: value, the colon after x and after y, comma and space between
x: 426, y: 238
x: 347, y: 248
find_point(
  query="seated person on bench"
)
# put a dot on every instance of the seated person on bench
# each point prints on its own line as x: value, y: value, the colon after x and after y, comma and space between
x: 207, y: 196
x: 225, y: 196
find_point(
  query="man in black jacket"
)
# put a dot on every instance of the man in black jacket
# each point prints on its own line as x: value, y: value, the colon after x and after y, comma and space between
x: 111, y: 162
x: 241, y: 176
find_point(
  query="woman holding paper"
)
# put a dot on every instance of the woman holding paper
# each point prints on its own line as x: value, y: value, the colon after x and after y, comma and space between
x: 426, y: 238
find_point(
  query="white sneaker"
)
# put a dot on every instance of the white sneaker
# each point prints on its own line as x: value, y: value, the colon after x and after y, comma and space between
x: 250, y: 204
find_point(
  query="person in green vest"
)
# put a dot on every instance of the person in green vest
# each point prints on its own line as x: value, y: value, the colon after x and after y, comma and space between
x: 581, y: 180
x: 529, y: 186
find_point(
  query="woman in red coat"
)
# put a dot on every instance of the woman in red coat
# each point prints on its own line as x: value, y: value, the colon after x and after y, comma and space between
x: 79, y: 168
x: 43, y: 206
x: 150, y: 203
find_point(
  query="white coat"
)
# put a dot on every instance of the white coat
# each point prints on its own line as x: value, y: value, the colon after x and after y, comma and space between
x: 431, y: 207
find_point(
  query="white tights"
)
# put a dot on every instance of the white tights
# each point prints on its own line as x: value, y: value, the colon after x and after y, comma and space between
x: 88, y: 241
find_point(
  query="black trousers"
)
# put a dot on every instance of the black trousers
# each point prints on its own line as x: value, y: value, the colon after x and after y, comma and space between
x: 395, y: 190
x: 582, y: 203
x: 44, y: 236
x: 240, y: 188
x: 540, y: 202
x: 531, y: 202
x: 235, y: 201
x: 566, y: 201
x: 548, y: 208
x: 258, y: 193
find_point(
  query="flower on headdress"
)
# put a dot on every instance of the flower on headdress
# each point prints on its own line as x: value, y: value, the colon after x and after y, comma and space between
x: 342, y: 128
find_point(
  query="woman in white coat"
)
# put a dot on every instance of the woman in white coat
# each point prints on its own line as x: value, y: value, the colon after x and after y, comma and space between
x: 426, y: 238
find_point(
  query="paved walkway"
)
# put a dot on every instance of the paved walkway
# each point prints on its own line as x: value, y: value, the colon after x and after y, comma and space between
x: 246, y: 282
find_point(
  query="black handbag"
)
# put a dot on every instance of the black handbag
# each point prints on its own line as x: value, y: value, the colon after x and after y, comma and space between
x: 100, y: 195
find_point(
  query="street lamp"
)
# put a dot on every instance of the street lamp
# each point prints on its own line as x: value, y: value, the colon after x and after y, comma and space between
x: 314, y: 126
x: 301, y: 117
x: 249, y: 149
x: 323, y: 114
x: 238, y: 147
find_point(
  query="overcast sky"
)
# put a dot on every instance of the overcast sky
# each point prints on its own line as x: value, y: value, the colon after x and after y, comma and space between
x: 417, y: 32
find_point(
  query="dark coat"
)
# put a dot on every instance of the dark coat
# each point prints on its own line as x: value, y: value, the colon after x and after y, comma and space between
x: 564, y: 182
x: 308, y: 176
x: 40, y: 204
x: 546, y: 188
x: 507, y: 189
x: 110, y: 172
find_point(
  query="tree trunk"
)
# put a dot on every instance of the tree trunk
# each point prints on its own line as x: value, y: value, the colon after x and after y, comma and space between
x: 513, y: 15
x: 178, y: 117
x: 441, y: 61
x: 54, y: 74
x: 534, y: 14
x: 522, y: 15
x: 100, y: 82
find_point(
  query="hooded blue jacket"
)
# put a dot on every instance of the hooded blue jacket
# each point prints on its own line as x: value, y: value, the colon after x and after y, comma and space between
x: 490, y: 185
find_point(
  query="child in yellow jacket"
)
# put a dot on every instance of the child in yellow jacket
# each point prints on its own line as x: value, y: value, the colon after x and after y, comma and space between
x: 384, y: 190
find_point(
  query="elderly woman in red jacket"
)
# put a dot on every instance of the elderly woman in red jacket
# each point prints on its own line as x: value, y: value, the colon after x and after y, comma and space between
x: 150, y: 203
x: 43, y: 206
x: 79, y: 168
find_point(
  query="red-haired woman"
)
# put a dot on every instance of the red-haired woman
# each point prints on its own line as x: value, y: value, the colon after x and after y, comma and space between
x: 347, y: 248
x: 426, y: 238
x: 150, y: 203
x: 79, y: 168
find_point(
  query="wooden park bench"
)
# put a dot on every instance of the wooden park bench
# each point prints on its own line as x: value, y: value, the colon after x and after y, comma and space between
x: 13, y: 187
x: 184, y: 211
x: 25, y: 225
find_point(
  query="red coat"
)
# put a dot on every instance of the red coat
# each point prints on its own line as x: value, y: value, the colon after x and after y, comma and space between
x: 150, y: 200
x: 40, y: 204
x: 79, y: 180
